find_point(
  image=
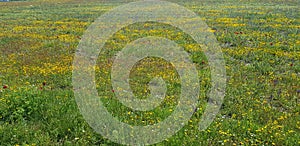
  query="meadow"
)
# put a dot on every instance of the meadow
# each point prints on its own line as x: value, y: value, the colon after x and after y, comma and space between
x: 260, y: 41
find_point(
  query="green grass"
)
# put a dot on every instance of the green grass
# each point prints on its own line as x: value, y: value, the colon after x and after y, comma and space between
x: 259, y: 40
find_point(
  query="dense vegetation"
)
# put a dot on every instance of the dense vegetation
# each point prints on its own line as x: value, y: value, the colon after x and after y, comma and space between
x: 260, y: 41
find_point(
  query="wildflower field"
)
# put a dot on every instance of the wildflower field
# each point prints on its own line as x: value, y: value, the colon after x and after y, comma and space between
x: 260, y: 41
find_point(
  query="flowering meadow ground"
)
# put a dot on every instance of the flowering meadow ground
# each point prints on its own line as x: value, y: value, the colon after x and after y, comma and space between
x: 260, y: 41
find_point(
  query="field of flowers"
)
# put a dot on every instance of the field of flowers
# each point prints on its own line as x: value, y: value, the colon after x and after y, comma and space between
x: 260, y: 41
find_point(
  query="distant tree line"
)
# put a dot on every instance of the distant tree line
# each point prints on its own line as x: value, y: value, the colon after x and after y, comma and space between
x: 10, y: 0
